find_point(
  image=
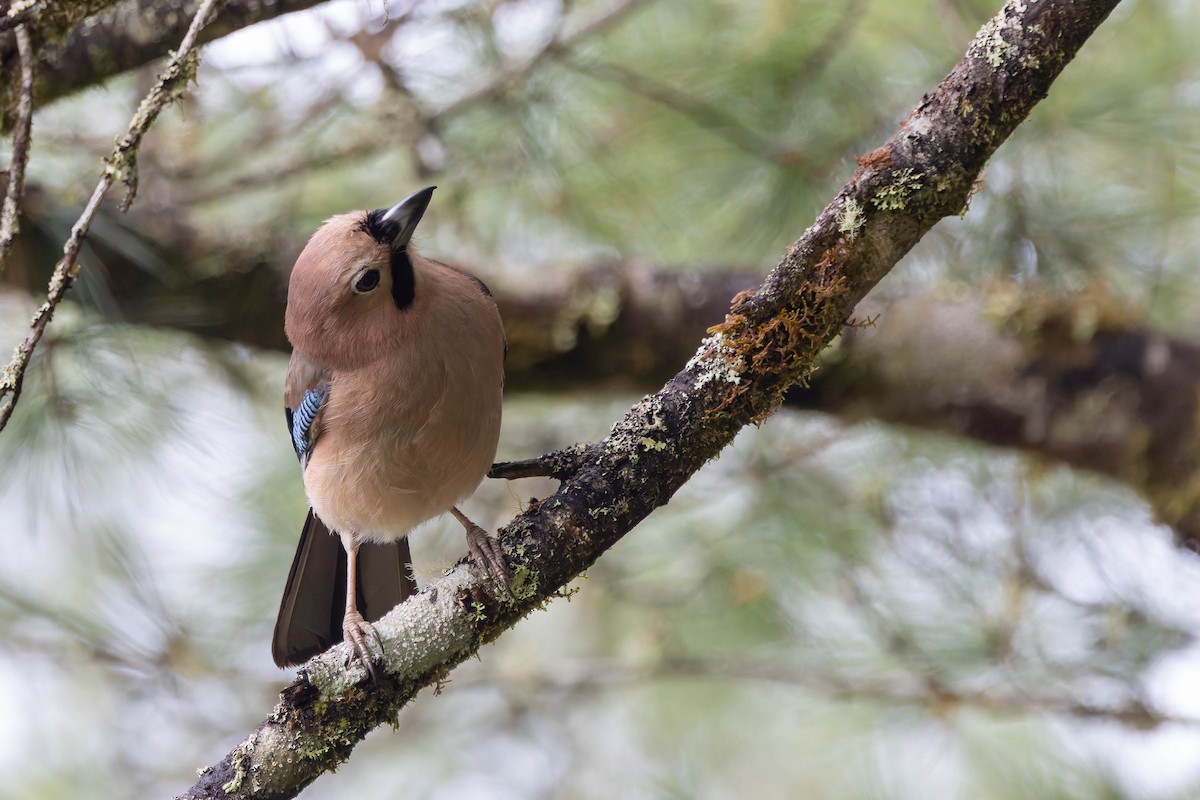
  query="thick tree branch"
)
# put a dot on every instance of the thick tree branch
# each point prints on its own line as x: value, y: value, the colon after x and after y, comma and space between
x: 120, y: 36
x: 48, y: 18
x: 172, y: 81
x: 769, y: 341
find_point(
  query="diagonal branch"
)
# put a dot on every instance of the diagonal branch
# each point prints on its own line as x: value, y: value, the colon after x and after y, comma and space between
x: 769, y: 341
x: 172, y: 81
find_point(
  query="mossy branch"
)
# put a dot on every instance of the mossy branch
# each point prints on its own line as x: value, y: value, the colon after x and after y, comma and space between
x: 769, y: 341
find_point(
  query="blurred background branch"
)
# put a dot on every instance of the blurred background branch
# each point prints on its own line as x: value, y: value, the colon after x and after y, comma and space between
x: 1078, y: 379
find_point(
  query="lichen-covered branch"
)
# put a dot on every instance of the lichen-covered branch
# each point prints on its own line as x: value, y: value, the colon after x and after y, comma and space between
x: 15, y: 188
x: 172, y: 81
x: 768, y: 341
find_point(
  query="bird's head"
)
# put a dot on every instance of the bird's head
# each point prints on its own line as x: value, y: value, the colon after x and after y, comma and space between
x: 353, y: 284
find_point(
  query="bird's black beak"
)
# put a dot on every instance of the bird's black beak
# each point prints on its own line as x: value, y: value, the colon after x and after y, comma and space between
x: 397, y: 224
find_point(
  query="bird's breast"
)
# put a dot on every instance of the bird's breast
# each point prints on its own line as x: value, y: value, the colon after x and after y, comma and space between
x: 405, y: 439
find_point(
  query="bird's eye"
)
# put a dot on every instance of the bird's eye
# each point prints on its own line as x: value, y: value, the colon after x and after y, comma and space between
x: 367, y: 281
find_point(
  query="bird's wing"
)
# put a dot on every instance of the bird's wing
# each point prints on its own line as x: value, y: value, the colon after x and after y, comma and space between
x: 305, y: 391
x: 310, y: 614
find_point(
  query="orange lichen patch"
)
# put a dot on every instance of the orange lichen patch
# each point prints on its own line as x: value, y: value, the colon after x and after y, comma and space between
x: 740, y: 299
x: 781, y: 351
x: 877, y: 158
x: 830, y: 268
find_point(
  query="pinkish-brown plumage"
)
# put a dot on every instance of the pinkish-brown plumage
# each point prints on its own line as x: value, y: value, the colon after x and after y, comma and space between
x: 410, y: 422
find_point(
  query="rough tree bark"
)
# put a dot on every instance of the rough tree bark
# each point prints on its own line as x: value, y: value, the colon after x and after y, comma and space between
x: 769, y: 340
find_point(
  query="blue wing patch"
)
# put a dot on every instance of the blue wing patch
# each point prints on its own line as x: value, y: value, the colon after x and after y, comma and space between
x: 302, y: 419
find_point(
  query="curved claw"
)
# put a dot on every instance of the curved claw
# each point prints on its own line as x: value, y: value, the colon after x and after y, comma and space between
x: 364, y: 639
x: 486, y: 553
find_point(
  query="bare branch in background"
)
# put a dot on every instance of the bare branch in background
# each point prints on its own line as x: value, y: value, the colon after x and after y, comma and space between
x: 9, y: 215
x: 1002, y: 364
x: 172, y: 82
x: 769, y: 341
x: 831, y: 44
x: 726, y: 124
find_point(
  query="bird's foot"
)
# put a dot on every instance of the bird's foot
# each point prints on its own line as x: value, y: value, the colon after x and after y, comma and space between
x: 485, y: 551
x: 364, y: 639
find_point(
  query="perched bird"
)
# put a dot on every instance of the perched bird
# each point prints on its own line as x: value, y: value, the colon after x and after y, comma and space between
x: 393, y: 403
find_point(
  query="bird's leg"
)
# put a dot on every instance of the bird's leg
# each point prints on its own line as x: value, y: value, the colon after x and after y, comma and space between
x: 359, y: 633
x: 484, y: 550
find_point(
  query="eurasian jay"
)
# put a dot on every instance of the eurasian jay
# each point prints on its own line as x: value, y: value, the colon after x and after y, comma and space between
x: 393, y: 403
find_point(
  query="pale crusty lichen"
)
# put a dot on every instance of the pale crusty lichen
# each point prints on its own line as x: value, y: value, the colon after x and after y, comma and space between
x: 717, y: 361
x: 990, y: 44
x: 627, y: 434
x: 241, y: 760
x: 20, y: 7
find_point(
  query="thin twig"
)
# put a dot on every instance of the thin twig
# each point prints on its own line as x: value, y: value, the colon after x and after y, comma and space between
x: 9, y: 216
x: 560, y: 465
x: 556, y: 44
x: 172, y: 81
